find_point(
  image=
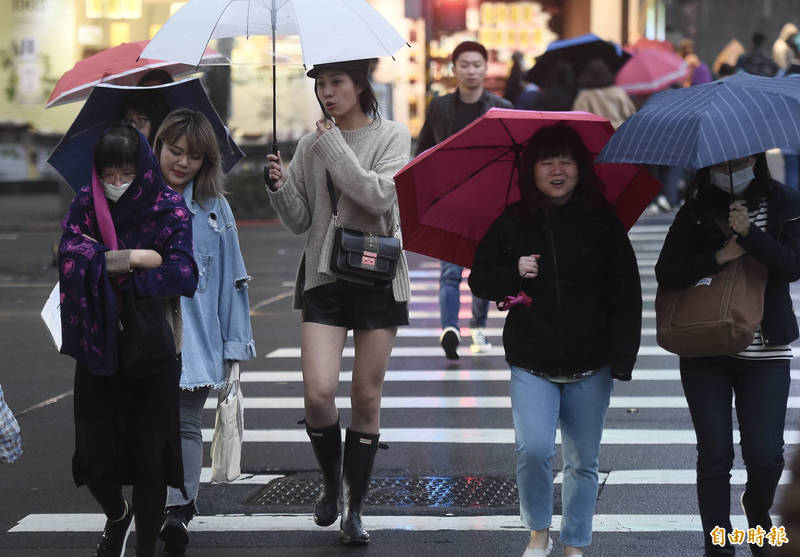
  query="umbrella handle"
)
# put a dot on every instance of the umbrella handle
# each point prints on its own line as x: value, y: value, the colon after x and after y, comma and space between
x: 267, y: 180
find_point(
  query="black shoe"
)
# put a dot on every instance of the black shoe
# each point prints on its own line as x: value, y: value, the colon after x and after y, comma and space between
x: 115, y: 536
x: 450, y: 340
x: 174, y: 532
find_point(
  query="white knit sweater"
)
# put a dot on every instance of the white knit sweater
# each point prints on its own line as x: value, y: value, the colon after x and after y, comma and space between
x: 362, y: 164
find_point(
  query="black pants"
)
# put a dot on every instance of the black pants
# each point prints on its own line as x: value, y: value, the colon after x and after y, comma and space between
x: 762, y: 390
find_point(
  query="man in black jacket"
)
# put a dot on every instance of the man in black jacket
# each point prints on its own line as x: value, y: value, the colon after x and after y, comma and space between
x: 447, y: 115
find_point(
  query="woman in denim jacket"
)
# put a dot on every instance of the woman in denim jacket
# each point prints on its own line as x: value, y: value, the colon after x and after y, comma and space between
x: 216, y: 322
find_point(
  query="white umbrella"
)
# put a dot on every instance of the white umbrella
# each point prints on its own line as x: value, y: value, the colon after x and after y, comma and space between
x: 328, y: 31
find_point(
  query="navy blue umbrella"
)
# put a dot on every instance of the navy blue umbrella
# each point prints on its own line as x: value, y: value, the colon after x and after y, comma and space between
x: 707, y: 124
x: 578, y: 51
x: 73, y: 155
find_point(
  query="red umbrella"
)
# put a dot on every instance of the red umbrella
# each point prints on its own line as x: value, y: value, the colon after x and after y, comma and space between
x: 650, y: 70
x: 450, y: 194
x: 644, y: 42
x: 116, y: 65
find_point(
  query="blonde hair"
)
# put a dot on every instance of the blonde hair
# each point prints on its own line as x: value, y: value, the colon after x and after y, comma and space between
x: 200, y: 139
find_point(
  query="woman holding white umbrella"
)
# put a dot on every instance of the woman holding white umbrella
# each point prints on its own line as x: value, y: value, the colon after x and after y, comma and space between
x: 361, y: 152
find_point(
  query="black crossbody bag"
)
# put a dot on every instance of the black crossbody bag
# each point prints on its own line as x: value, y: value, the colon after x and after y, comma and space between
x: 361, y: 256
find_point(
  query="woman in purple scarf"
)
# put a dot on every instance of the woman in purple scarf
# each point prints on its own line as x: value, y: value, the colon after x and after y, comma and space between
x: 126, y: 232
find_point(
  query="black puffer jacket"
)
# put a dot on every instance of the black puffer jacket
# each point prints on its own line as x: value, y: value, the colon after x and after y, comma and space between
x: 587, y: 300
x: 694, y: 237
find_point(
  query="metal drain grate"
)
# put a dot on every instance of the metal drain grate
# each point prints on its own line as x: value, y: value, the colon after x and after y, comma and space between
x: 426, y: 491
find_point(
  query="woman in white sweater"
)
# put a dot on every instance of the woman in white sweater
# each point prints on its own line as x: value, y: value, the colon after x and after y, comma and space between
x: 362, y: 153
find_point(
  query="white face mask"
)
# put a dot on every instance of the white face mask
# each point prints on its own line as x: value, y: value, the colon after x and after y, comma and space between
x: 113, y: 193
x: 741, y: 179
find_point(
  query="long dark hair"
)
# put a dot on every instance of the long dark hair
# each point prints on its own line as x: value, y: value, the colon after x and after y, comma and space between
x: 716, y: 200
x: 554, y: 141
x: 117, y: 148
x: 366, y: 100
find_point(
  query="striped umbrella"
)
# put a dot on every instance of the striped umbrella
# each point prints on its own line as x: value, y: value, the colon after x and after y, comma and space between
x: 700, y: 126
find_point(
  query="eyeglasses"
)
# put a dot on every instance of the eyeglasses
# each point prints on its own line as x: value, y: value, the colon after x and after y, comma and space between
x: 137, y: 122
x: 123, y: 176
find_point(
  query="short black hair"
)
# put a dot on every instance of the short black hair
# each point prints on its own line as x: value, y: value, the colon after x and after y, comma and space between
x: 151, y: 103
x: 470, y: 46
x: 554, y: 141
x: 118, y: 147
x: 160, y: 75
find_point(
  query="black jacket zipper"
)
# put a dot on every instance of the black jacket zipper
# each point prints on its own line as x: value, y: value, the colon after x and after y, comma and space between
x: 559, y: 316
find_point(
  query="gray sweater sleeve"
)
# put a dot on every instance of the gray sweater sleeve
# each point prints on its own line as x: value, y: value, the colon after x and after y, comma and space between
x: 291, y: 201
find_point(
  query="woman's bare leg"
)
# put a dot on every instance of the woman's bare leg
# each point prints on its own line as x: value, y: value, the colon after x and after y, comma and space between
x: 321, y: 358
x: 373, y: 348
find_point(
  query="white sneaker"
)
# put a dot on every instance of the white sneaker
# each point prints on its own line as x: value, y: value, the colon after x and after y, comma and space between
x: 479, y: 342
x: 531, y: 552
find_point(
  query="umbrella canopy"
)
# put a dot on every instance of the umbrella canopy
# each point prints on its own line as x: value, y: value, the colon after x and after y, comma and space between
x: 329, y: 31
x: 650, y: 70
x: 450, y: 194
x: 644, y: 42
x: 577, y: 51
x: 119, y: 65
x: 72, y: 157
x: 703, y: 125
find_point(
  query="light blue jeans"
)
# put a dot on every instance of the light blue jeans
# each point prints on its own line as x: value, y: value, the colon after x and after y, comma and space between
x: 450, y: 299
x: 191, y: 412
x: 579, y: 408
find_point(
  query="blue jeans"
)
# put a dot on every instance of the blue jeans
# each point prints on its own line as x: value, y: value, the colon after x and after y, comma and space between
x: 762, y: 389
x: 191, y: 411
x: 450, y: 299
x: 538, y: 406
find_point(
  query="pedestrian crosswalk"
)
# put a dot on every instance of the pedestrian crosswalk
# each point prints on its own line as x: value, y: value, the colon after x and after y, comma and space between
x: 432, y: 406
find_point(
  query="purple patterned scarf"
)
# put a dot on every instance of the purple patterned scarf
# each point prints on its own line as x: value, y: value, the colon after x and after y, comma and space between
x: 149, y: 215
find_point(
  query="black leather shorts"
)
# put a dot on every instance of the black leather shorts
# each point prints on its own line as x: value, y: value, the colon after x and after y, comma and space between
x: 354, y: 306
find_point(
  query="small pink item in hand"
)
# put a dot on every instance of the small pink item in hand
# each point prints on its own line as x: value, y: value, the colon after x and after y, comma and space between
x: 510, y: 301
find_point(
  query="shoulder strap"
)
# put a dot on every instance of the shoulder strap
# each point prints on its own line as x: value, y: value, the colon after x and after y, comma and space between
x: 333, y: 198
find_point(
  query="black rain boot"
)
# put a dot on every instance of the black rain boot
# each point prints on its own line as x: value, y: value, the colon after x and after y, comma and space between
x: 359, y: 456
x: 327, y: 445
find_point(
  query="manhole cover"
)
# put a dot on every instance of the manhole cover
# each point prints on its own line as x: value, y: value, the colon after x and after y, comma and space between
x: 425, y: 491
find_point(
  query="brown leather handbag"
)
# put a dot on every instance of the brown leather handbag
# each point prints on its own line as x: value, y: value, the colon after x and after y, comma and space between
x: 716, y: 316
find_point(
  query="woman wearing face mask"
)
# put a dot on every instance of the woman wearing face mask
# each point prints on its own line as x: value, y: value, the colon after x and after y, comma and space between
x: 125, y: 232
x: 216, y: 321
x: 362, y: 153
x: 764, y: 216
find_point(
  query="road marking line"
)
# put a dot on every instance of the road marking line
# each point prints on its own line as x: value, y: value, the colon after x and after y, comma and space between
x: 427, y: 375
x: 611, y: 436
x: 428, y: 351
x: 460, y: 402
x: 275, y: 522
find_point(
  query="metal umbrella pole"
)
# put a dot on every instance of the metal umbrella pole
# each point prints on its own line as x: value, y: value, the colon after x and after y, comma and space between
x: 274, y: 18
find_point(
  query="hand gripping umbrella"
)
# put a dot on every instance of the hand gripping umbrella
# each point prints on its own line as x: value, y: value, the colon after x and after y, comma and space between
x: 72, y: 157
x: 328, y: 31
x: 450, y: 194
x: 119, y: 65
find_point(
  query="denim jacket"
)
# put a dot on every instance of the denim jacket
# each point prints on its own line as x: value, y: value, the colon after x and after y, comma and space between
x: 216, y: 321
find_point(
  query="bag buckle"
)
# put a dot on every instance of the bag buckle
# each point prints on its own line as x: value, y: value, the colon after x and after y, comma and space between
x: 368, y: 258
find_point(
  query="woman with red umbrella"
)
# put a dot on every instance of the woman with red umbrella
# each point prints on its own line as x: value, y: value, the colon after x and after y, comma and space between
x: 564, y: 254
